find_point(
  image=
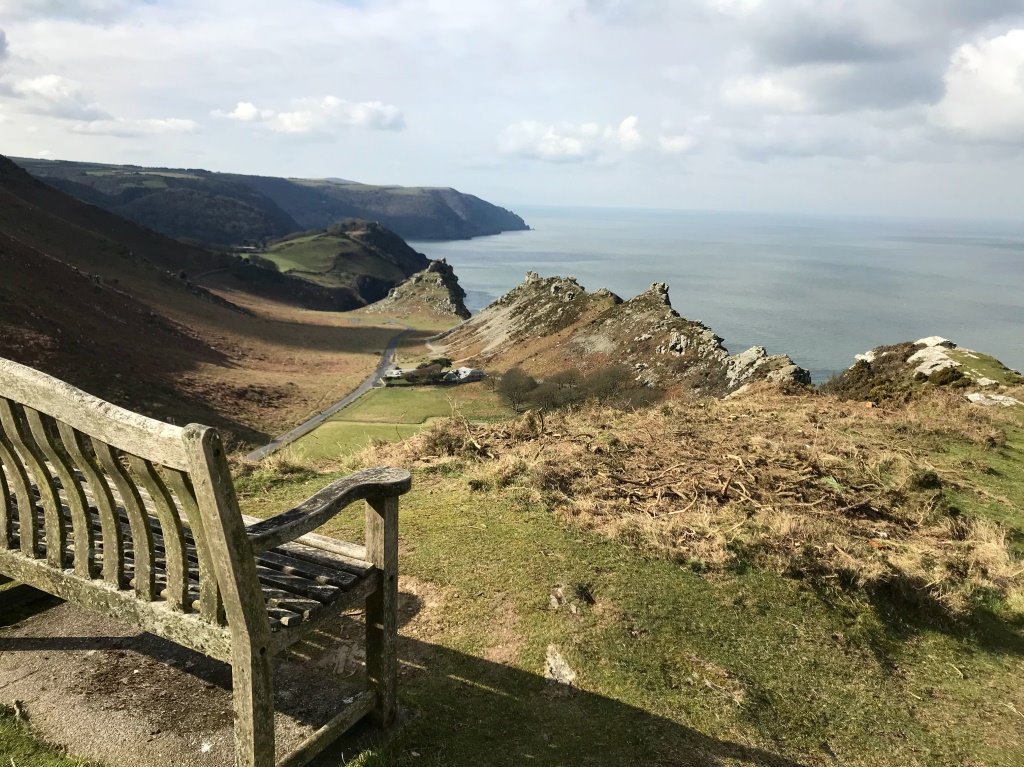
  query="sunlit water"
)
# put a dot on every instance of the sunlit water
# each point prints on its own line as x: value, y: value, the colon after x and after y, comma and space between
x: 818, y: 289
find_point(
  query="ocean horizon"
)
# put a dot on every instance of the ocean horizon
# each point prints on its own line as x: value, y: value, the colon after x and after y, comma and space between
x: 818, y: 288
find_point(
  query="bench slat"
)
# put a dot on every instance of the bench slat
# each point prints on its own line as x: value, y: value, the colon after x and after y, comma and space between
x: 9, y: 442
x: 134, y: 433
x: 112, y: 539
x: 42, y: 428
x: 28, y: 465
x: 171, y: 530
x: 210, y: 604
x: 142, y: 534
x: 6, y: 509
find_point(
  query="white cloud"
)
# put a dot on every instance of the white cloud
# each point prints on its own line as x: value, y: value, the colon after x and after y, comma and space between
x: 764, y: 93
x: 320, y: 116
x: 569, y: 142
x: 4, y: 47
x: 58, y: 96
x: 679, y: 143
x: 628, y: 136
x: 245, y: 112
x: 125, y: 128
x: 984, y: 95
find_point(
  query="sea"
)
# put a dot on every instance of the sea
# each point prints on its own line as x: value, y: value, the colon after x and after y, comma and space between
x: 820, y: 289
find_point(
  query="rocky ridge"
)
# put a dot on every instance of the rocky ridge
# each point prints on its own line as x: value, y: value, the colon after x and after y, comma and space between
x: 546, y: 322
x: 899, y: 371
x: 435, y: 290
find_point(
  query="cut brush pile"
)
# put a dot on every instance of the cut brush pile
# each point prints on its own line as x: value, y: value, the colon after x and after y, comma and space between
x: 834, y: 492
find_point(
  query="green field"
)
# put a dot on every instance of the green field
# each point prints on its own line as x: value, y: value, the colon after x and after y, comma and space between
x: 391, y: 414
x: 312, y: 253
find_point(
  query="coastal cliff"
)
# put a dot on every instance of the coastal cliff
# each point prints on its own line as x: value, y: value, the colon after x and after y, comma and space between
x: 435, y: 290
x: 547, y: 322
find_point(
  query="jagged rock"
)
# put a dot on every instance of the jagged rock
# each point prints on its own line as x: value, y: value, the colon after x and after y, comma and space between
x: 435, y: 290
x: 556, y: 668
x: 554, y: 321
x: 900, y: 371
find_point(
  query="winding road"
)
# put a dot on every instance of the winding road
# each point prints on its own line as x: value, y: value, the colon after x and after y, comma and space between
x: 307, y: 426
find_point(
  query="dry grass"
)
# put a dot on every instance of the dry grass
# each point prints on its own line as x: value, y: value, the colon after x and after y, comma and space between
x: 835, y: 492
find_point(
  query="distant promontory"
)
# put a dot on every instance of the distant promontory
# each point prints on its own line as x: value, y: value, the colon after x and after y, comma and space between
x: 231, y: 209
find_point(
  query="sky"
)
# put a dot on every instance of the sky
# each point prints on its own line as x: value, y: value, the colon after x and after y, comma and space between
x: 836, y: 107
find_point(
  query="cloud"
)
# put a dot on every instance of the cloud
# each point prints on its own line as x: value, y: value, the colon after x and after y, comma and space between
x: 59, y: 97
x: 4, y: 51
x: 246, y: 112
x: 127, y: 128
x: 85, y: 10
x: 805, y: 38
x: 568, y: 142
x: 320, y: 116
x: 680, y: 143
x: 984, y: 93
x: 764, y: 93
x: 628, y: 136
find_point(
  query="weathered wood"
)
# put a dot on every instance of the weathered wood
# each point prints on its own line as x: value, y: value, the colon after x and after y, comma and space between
x: 172, y: 532
x: 210, y: 604
x: 133, y: 433
x: 188, y: 630
x: 244, y: 605
x: 43, y: 428
x: 342, y: 551
x: 163, y: 502
x: 28, y: 533
x: 312, y: 746
x: 306, y: 569
x: 382, y: 606
x: 314, y: 512
x: 142, y: 534
x: 111, y: 538
x: 35, y: 464
x: 6, y: 510
x: 355, y: 597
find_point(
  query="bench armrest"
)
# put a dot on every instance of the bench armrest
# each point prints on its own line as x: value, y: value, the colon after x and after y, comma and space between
x: 314, y: 512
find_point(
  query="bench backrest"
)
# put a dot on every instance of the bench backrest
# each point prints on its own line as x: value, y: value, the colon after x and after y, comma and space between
x: 122, y: 498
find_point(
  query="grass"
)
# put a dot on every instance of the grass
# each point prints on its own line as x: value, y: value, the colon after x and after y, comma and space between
x: 19, y: 748
x: 983, y: 365
x: 313, y: 253
x: 415, y: 404
x: 678, y: 665
x: 391, y: 414
x: 336, y: 438
x: 674, y: 667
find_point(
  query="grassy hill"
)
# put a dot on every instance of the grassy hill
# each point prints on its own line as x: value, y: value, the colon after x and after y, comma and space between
x: 773, y: 580
x: 173, y: 330
x: 357, y: 255
x: 235, y: 209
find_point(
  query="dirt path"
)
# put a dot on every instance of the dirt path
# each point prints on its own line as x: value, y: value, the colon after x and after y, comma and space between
x: 310, y: 424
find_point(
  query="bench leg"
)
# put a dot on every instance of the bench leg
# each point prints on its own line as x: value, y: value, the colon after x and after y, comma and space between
x: 382, y: 606
x: 253, y: 691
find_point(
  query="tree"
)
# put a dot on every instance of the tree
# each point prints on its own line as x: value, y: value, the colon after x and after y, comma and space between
x: 515, y: 386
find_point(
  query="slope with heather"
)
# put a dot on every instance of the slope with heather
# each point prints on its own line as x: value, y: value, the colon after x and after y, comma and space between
x: 119, y: 310
x: 545, y: 324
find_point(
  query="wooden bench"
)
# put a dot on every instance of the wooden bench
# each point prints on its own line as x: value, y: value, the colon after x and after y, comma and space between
x: 138, y: 518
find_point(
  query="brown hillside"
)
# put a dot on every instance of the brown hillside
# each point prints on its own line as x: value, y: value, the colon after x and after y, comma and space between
x: 103, y: 303
x: 549, y: 324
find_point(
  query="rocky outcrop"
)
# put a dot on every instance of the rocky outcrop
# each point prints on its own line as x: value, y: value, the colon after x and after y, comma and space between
x: 901, y: 371
x: 435, y: 291
x: 550, y: 323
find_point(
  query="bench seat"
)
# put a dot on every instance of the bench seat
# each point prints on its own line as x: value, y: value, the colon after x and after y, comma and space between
x: 139, y: 519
